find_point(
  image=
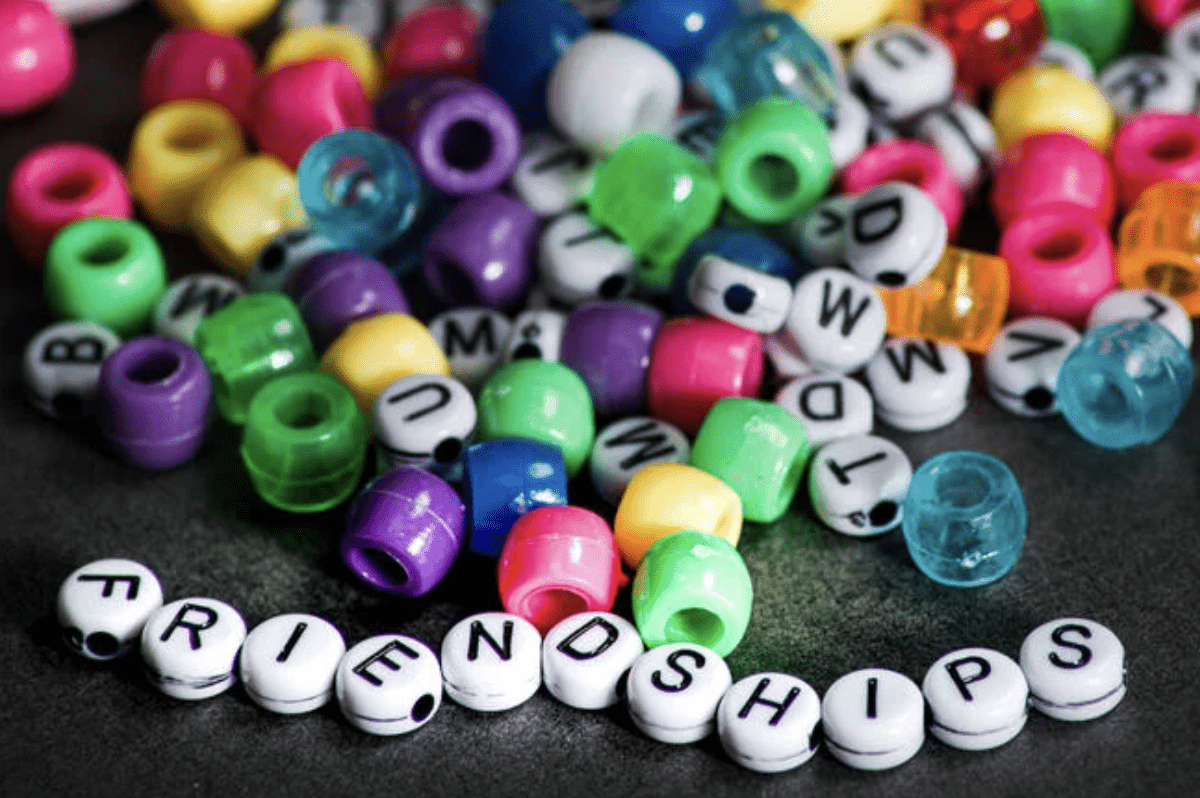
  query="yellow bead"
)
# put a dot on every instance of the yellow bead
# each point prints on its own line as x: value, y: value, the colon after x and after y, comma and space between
x: 373, y: 353
x: 176, y: 148
x: 836, y: 20
x: 906, y: 11
x: 222, y: 16
x: 1158, y: 245
x: 1049, y: 99
x: 242, y: 207
x: 294, y: 45
x: 664, y: 498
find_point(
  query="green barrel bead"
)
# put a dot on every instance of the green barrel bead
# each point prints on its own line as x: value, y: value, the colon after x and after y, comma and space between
x: 757, y: 448
x: 537, y: 399
x: 693, y: 587
x: 773, y: 161
x: 305, y: 442
x: 1098, y: 27
x: 110, y: 271
x: 248, y: 343
x: 656, y: 197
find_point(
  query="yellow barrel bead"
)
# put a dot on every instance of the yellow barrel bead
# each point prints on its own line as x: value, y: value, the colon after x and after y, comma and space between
x: 912, y: 11
x: 836, y: 20
x: 1050, y: 99
x: 1158, y: 245
x: 310, y: 42
x: 222, y: 16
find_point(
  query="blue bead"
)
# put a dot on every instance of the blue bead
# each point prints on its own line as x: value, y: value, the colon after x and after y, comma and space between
x: 747, y: 247
x: 1125, y: 384
x: 679, y: 29
x: 504, y: 479
x: 964, y: 519
x: 360, y: 190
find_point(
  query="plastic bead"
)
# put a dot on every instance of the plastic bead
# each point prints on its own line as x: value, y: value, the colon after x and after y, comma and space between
x: 857, y: 485
x: 1023, y: 362
x: 579, y: 261
x: 991, y: 39
x: 902, y: 70
x: 977, y: 699
x: 829, y: 405
x: 190, y: 646
x: 748, y: 248
x: 919, y: 385
x: 963, y: 136
x: 1153, y: 147
x: 552, y: 176
x: 198, y: 64
x: 37, y: 56
x: 1140, y: 83
x: 335, y: 289
x: 389, y: 685
x: 837, y: 321
x: 325, y: 40
x: 849, y: 123
x: 492, y: 661
x: 680, y: 31
x: 1050, y: 168
x: 102, y: 607
x: 61, y: 367
x: 820, y: 236
x: 698, y: 131
x: 739, y: 294
x: 286, y: 253
x: 1098, y: 27
x: 625, y: 447
x: 1140, y: 303
x: 78, y: 12
x: 1050, y: 99
x: 287, y: 663
x: 189, y: 300
x: 473, y: 340
x: 1066, y: 55
x: 367, y: 17
x: 674, y: 690
x: 586, y: 657
x: 874, y: 719
x: 895, y: 235
x: 1075, y: 669
x: 964, y: 518
x: 222, y: 16
x: 536, y: 334
x: 1181, y: 43
x: 784, y: 358
x: 1157, y: 243
x: 425, y: 420
x: 505, y: 479
x: 909, y: 162
x: 436, y: 38
x: 782, y: 734
x: 609, y: 344
x: 837, y: 21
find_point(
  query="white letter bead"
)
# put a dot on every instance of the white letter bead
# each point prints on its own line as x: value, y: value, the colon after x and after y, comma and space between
x: 919, y: 385
x: 874, y: 719
x: 389, y: 684
x: 189, y: 300
x: 895, y: 235
x: 626, y: 446
x: 837, y: 320
x: 473, y: 340
x: 966, y: 140
x: 1182, y: 42
x: 536, y: 334
x: 1066, y: 55
x: 288, y: 663
x: 903, y: 70
x: 831, y: 405
x: 821, y: 234
x: 848, y: 128
x: 740, y: 294
x: 674, y: 691
x: 786, y: 360
x: 424, y: 420
x: 768, y: 722
x: 190, y: 646
x: 103, y: 606
x: 857, y: 485
x: 1142, y: 303
x: 551, y: 175
x: 1075, y: 669
x: 977, y: 697
x: 580, y: 261
x: 586, y: 656
x: 492, y: 661
x: 286, y: 252
x: 1139, y: 83
x: 1023, y: 361
x: 698, y: 132
x: 61, y: 366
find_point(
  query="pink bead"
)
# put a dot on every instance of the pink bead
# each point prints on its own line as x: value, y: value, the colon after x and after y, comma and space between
x: 909, y: 162
x: 697, y: 361
x: 436, y: 38
x: 1060, y: 262
x: 197, y: 64
x: 59, y: 184
x: 1162, y: 14
x: 1152, y: 147
x: 295, y: 105
x: 37, y: 55
x: 1052, y: 168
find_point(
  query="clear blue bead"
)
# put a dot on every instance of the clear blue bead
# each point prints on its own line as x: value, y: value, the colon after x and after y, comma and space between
x: 404, y: 255
x: 747, y: 247
x: 964, y: 519
x: 1125, y: 384
x: 679, y: 29
x: 504, y: 479
x: 361, y: 190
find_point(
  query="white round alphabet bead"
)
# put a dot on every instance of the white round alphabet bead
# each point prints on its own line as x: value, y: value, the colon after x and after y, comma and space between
x: 1139, y: 83
x: 627, y: 446
x: 61, y: 367
x: 286, y: 252
x: 903, y: 70
x: 586, y: 656
x: 288, y: 663
x: 874, y: 719
x: 786, y: 360
x: 1064, y: 54
x: 103, y: 606
x: 552, y: 175
x: 536, y: 334
x: 424, y: 420
x: 966, y: 140
x: 1075, y: 669
x: 837, y: 320
x: 1142, y: 303
x: 580, y: 261
x: 977, y: 697
x: 740, y: 294
x: 389, y: 684
x: 848, y: 128
x: 674, y: 690
x: 1182, y: 42
x: 895, y: 235
x: 698, y: 132
x: 768, y: 722
x: 473, y: 340
x: 857, y: 485
x: 1023, y: 362
x: 189, y: 300
x: 919, y: 385
x: 820, y: 235
x: 831, y: 405
x: 190, y: 646
x: 492, y: 661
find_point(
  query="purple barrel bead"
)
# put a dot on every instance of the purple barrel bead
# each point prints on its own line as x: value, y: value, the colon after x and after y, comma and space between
x: 153, y: 401
x: 462, y: 135
x: 404, y: 532
x: 482, y: 252
x: 335, y: 289
x: 608, y: 344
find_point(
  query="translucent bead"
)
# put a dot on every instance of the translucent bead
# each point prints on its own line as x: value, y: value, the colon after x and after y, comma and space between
x: 1159, y: 240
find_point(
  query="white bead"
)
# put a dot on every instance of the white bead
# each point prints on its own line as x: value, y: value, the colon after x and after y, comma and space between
x: 785, y: 358
x: 857, y: 485
x: 965, y: 138
x: 580, y: 261
x: 190, y: 647
x: 1075, y: 669
x: 919, y: 385
x: 837, y: 61
x: 903, y: 70
x: 492, y: 661
x: 286, y: 252
x: 977, y: 697
x: 848, y: 128
x: 103, y: 606
x: 627, y: 446
x: 837, y: 320
x: 698, y: 132
x: 1182, y: 42
x: 288, y: 663
x: 1064, y: 54
x: 821, y: 234
x: 389, y: 684
x: 473, y: 340
x: 739, y: 294
x: 831, y: 405
x: 536, y: 334
x: 895, y: 235
x: 1023, y: 361
x: 552, y: 176
x: 402, y: 8
x: 874, y: 719
x: 364, y: 16
x: 424, y: 420
x: 585, y: 658
x: 767, y: 722
x: 1139, y: 83
x: 61, y: 367
x: 189, y: 301
x: 607, y: 87
x: 1142, y: 303
x: 674, y: 691
x: 77, y: 12
x: 881, y: 131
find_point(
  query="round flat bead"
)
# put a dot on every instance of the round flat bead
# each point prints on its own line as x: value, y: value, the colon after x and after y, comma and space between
x: 434, y: 38
x: 224, y: 16
x: 190, y: 646
x: 609, y: 345
x: 327, y: 40
x: 102, y: 607
x: 1181, y: 43
x: 189, y: 301
x: 505, y: 479
x: 1055, y: 52
x: 739, y: 294
x: 745, y: 247
x: 288, y: 662
x: 198, y: 64
x: 903, y: 70
x: 61, y: 367
x: 895, y: 235
x: 913, y: 162
x: 837, y: 320
x: 1075, y: 668
x: 784, y: 357
x: 1152, y: 147
x: 585, y: 659
x: 625, y: 447
x: 579, y: 261
x: 492, y: 661
x: 552, y: 175
x: 964, y: 137
x: 768, y: 722
x: 1051, y: 168
x: 425, y: 420
x: 536, y: 334
x: 473, y: 341
x: 1050, y: 99
x: 389, y: 685
x: 37, y: 56
x: 674, y: 690
x: 874, y: 719
x: 857, y: 485
x: 820, y: 235
x: 1142, y: 303
x: 848, y: 127
x: 830, y: 405
x: 335, y: 289
x: 1138, y: 83
x: 977, y: 698
x: 1023, y: 362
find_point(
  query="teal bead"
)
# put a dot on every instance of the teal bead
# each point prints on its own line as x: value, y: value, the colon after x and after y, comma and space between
x: 1098, y: 27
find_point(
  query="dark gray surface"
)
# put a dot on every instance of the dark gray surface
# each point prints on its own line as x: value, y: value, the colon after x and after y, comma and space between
x: 1112, y: 536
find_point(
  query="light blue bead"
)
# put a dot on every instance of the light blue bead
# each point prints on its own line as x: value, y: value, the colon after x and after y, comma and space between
x: 1125, y: 384
x: 964, y: 519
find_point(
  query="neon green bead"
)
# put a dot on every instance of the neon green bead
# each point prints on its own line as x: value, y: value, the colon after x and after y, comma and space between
x: 1098, y: 27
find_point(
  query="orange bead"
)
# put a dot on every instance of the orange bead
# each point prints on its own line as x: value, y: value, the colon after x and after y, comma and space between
x: 1158, y: 245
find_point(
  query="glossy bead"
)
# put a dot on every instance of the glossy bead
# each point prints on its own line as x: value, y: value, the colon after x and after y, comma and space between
x: 680, y: 31
x: 1067, y: 55
x: 102, y: 607
x: 829, y: 405
x: 857, y: 485
x: 820, y: 235
x: 609, y: 345
x: 367, y: 17
x: 739, y: 294
x: 1153, y: 147
x: 79, y: 12
x: 919, y: 385
x: 1098, y: 27
x: 189, y: 300
x: 579, y: 261
x: 389, y: 685
x: 625, y: 447
x: 1157, y: 243
x: 503, y: 480
x: 849, y: 123
x: 37, y: 56
x: 991, y: 39
x: 784, y: 358
x: 288, y: 662
x: 190, y: 646
x: 1181, y: 43
x: 586, y: 657
x: 698, y: 131
x: 674, y: 690
x: 1075, y: 669
x: 782, y: 734
x: 108, y: 270
x: 873, y: 719
x: 837, y: 320
x: 536, y: 334
x: 976, y: 698
x: 492, y: 661
x: 336, y: 289
x: 902, y: 70
x: 552, y: 175
x: 1140, y: 303
x: 834, y: 20
x: 1050, y: 168
x: 1162, y: 14
x: 895, y: 235
x: 222, y: 16
x: 436, y: 38
x: 908, y: 162
x: 1023, y: 362
x: 1138, y: 83
x: 963, y: 136
x: 198, y: 64
x: 964, y: 519
x: 1050, y: 99
x: 326, y: 40
x: 473, y: 340
x: 61, y: 367
x: 747, y: 248
x: 425, y: 420
x: 59, y: 184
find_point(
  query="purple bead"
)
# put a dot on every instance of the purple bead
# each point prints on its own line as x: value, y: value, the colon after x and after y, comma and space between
x: 404, y: 532
x: 608, y: 344
x: 482, y: 252
x: 463, y: 136
x: 335, y: 289
x: 153, y: 402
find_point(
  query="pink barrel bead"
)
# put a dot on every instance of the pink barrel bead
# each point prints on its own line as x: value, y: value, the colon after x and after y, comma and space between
x: 37, y: 55
x: 909, y: 162
x: 1052, y: 168
x: 1152, y: 147
x: 197, y: 64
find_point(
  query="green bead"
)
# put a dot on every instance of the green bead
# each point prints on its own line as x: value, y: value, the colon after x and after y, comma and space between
x: 773, y: 161
x: 108, y: 270
x: 656, y: 197
x: 248, y: 343
x: 305, y: 442
x: 1098, y: 27
x: 758, y: 449
x: 537, y: 399
x: 693, y: 587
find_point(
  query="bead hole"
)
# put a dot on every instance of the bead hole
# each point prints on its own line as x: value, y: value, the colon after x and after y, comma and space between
x: 547, y: 607
x: 303, y: 410
x: 71, y: 187
x: 1062, y: 245
x: 102, y: 644
x: 1174, y: 148
x: 154, y: 367
x: 351, y: 181
x: 612, y: 287
x: 190, y: 139
x: 774, y: 176
x: 106, y: 251
x: 447, y: 451
x: 467, y: 145
x: 384, y: 569
x: 961, y: 487
x: 695, y: 625
x: 1105, y: 400
x: 912, y: 174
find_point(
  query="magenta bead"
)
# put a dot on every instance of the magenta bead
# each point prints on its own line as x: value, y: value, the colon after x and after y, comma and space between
x: 609, y: 344
x: 335, y: 289
x: 197, y: 64
x: 1152, y: 147
x: 37, y: 55
x: 909, y: 162
x: 1048, y: 169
